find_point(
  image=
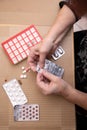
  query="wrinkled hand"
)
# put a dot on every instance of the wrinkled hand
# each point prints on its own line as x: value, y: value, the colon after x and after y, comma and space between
x: 49, y: 83
x: 39, y: 52
x: 33, y: 58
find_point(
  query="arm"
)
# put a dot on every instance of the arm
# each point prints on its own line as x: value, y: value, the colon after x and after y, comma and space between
x: 75, y: 96
x: 63, y: 22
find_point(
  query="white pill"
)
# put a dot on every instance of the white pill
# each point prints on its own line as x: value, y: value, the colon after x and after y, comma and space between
x: 25, y: 76
x: 24, y: 71
x: 22, y: 76
x: 22, y: 67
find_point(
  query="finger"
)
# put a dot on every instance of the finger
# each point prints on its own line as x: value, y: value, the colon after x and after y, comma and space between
x: 32, y: 64
x: 42, y: 60
x: 48, y: 75
x: 40, y: 81
x: 33, y: 59
x: 45, y: 87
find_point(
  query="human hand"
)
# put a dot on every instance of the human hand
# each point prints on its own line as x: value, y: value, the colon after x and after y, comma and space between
x: 49, y: 83
x: 33, y: 57
x: 39, y: 52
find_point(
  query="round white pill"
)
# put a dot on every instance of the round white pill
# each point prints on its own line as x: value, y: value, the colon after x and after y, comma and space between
x: 21, y: 76
x: 22, y: 67
x: 24, y: 71
x: 25, y: 76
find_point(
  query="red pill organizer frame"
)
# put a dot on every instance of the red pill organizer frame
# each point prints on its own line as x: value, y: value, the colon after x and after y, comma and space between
x: 18, y: 46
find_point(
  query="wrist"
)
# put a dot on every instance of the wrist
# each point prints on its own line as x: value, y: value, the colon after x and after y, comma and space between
x: 66, y: 91
x: 49, y: 38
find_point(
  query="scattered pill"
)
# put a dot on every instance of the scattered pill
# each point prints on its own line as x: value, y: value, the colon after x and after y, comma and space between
x: 22, y: 67
x: 23, y: 71
x: 21, y: 76
x: 24, y: 76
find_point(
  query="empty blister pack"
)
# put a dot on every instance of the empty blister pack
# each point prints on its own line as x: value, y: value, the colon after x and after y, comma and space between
x: 58, y: 53
x: 14, y: 92
x: 52, y: 68
x: 26, y: 112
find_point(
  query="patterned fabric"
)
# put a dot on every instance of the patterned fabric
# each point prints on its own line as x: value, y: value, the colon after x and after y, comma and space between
x: 80, y: 45
x: 81, y: 59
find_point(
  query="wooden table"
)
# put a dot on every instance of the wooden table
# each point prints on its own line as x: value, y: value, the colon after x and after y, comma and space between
x: 55, y: 112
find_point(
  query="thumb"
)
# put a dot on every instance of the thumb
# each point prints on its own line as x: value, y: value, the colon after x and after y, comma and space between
x: 48, y: 75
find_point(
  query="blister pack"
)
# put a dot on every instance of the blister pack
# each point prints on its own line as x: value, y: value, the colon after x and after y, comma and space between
x: 14, y: 92
x: 27, y: 112
x: 52, y: 68
x: 58, y: 53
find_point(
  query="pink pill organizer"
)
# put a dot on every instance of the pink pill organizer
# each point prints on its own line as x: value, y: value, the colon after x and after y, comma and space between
x: 17, y: 47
